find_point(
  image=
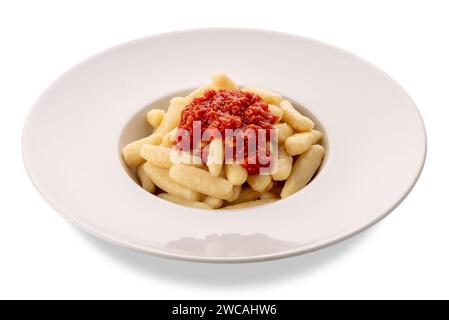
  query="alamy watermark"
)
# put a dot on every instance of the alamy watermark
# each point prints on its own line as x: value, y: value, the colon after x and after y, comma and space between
x: 249, y: 147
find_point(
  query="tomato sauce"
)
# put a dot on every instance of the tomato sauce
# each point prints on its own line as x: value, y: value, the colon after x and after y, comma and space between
x: 230, y: 109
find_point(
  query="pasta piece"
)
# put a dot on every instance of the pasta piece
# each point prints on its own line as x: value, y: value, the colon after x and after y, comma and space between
x: 131, y: 152
x: 235, y: 193
x: 165, y: 157
x: 184, y: 157
x: 276, y: 111
x: 301, y: 142
x: 173, y: 116
x: 173, y: 135
x: 246, y: 194
x: 157, y: 155
x: 284, y: 165
x: 201, y: 181
x: 212, y: 202
x: 249, y: 204
x: 222, y: 81
x: 295, y: 119
x: 169, y: 139
x: 269, y: 195
x: 145, y: 180
x: 215, y: 157
x: 166, y: 140
x: 161, y: 178
x: 236, y: 174
x: 198, y: 92
x: 180, y: 200
x: 284, y: 131
x: 266, y: 95
x: 259, y: 183
x: 154, y: 117
x: 303, y: 170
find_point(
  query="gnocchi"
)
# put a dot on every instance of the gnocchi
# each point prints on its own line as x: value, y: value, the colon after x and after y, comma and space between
x: 209, y: 174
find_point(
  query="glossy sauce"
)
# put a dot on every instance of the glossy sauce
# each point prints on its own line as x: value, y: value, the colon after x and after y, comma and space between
x: 230, y: 109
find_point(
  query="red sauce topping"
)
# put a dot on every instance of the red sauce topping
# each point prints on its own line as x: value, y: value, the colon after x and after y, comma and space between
x: 230, y: 109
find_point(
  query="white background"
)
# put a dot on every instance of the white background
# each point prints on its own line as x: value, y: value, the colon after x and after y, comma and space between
x: 404, y: 256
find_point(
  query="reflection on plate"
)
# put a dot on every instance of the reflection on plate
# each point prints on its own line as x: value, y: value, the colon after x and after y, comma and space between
x: 231, y: 245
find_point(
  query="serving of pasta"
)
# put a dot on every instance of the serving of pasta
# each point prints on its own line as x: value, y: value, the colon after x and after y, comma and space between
x: 225, y: 147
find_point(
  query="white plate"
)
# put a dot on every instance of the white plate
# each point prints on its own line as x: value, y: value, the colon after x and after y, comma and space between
x: 376, y: 144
